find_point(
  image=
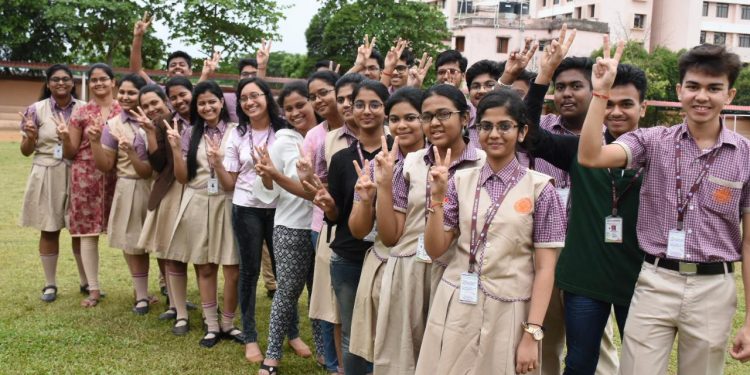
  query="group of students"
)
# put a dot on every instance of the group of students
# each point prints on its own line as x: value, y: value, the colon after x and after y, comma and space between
x: 435, y: 234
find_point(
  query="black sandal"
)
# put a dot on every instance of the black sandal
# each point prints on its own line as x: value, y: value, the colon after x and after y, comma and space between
x: 141, y: 310
x: 207, y: 342
x: 181, y: 330
x: 272, y: 369
x: 49, y: 297
x: 234, y: 334
x: 168, y: 314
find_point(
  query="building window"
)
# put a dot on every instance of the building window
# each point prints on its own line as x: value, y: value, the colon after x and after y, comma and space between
x: 578, y: 12
x: 703, y: 37
x: 555, y: 2
x: 720, y: 39
x: 722, y: 10
x: 746, y: 12
x: 705, y: 9
x: 745, y: 40
x: 544, y: 3
x: 460, y: 43
x: 639, y: 20
x: 591, y: 10
x: 502, y: 44
x: 542, y: 44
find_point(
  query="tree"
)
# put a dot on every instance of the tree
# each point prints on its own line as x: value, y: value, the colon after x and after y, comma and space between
x: 742, y: 84
x: 234, y: 26
x: 386, y: 20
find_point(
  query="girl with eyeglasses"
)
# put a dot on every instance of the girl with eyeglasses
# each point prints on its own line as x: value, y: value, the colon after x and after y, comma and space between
x: 203, y: 234
x: 503, y: 245
x: 120, y: 147
x: 47, y: 186
x: 91, y: 190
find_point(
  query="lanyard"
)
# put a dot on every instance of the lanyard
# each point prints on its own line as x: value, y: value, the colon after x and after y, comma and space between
x: 616, y: 197
x: 479, y: 239
x: 681, y: 205
x: 252, y: 141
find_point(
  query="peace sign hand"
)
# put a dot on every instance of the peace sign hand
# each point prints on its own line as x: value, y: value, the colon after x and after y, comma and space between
x: 123, y: 143
x: 605, y: 69
x: 62, y: 126
x: 556, y: 51
x: 364, y: 187
x: 142, y: 25
x: 418, y: 72
x: 331, y: 68
x: 212, y: 151
x: 519, y: 60
x: 384, y: 162
x: 143, y: 120
x: 322, y: 198
x: 173, y: 135
x: 439, y: 175
x: 29, y: 128
x: 94, y: 131
x: 364, y: 51
x: 211, y: 65
x: 263, y: 53
x: 304, y: 165
x: 264, y: 166
x: 391, y: 58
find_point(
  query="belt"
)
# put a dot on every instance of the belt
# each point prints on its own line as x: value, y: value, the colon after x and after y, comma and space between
x: 688, y: 268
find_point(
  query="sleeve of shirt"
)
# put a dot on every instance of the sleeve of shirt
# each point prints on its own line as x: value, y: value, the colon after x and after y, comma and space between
x: 139, y: 145
x: 450, y: 208
x: 232, y: 153
x: 185, y: 141
x: 400, y: 188
x: 321, y: 167
x: 108, y: 140
x: 745, y: 199
x: 636, y: 145
x: 549, y: 220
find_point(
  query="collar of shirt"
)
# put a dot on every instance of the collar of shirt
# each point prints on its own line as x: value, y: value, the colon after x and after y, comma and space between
x: 559, y: 126
x: 725, y: 135
x: 608, y: 137
x: 220, y: 128
x: 469, y: 154
x: 503, y: 174
x: 56, y: 106
x: 181, y: 119
x: 125, y: 117
x: 346, y: 131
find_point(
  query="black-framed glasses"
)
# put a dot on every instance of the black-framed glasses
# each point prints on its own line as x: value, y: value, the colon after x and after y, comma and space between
x: 374, y: 106
x: 251, y: 96
x: 502, y: 127
x: 65, y: 79
x: 322, y: 93
x: 488, y: 85
x: 427, y: 117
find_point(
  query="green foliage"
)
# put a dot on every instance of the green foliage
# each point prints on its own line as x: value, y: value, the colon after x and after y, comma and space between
x: 742, y: 84
x: 344, y: 26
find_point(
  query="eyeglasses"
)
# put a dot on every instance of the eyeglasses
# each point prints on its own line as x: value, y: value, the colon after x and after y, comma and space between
x: 411, y: 117
x: 322, y: 93
x: 502, y: 127
x: 60, y: 79
x: 99, y: 80
x: 427, y: 117
x: 374, y: 106
x: 449, y: 71
x: 252, y: 96
x: 488, y: 85
x: 400, y: 69
x: 247, y: 74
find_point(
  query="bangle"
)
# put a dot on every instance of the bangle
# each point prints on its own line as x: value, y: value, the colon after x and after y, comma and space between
x: 501, y: 84
x: 386, y: 73
x: 600, y: 95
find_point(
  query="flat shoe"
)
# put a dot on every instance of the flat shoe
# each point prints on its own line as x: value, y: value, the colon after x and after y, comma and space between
x: 169, y: 314
x: 234, y: 334
x: 143, y: 310
x: 209, y: 342
x: 181, y: 330
x: 49, y: 297
x: 271, y: 369
x: 191, y: 306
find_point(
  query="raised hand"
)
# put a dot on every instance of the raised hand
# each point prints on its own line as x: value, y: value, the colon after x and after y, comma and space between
x: 364, y: 187
x: 263, y: 53
x: 331, y: 67
x: 211, y: 65
x: 384, y: 162
x: 556, y: 51
x: 264, y: 166
x: 143, y: 120
x: 604, y: 70
x: 391, y: 58
x: 364, y: 51
x: 123, y: 142
x: 142, y: 25
x: 29, y: 128
x: 304, y: 165
x: 519, y: 60
x: 94, y: 131
x: 212, y: 151
x: 322, y: 198
x: 418, y: 72
x: 173, y: 134
x: 439, y: 175
x: 62, y: 126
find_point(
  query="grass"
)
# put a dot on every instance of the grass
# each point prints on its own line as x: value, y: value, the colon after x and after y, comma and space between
x: 63, y: 338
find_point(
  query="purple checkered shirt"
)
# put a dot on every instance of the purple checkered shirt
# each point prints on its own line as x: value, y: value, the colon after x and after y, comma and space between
x: 712, y: 217
x: 399, y: 158
x: 549, y: 211
x: 31, y: 111
x: 321, y: 166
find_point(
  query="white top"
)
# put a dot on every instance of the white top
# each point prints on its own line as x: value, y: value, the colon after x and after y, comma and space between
x: 291, y: 211
x: 238, y: 158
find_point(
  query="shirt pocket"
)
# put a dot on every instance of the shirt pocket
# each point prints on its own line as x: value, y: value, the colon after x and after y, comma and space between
x: 722, y: 196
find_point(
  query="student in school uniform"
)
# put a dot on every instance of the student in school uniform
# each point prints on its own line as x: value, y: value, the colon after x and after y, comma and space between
x: 481, y: 78
x: 120, y: 146
x: 91, y: 190
x: 692, y: 219
x: 488, y: 309
x: 47, y: 186
x: 203, y: 234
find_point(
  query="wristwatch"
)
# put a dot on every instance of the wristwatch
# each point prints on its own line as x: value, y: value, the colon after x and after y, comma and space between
x: 536, y: 331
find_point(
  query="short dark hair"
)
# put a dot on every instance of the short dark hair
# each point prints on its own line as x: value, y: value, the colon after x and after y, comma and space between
x: 46, y: 93
x: 182, y: 54
x: 629, y: 74
x: 374, y: 86
x: 377, y: 56
x: 178, y: 81
x: 450, y: 56
x: 506, y: 98
x: 323, y: 64
x: 245, y: 62
x: 349, y: 79
x: 407, y: 56
x: 328, y: 76
x: 483, y: 67
x: 407, y: 94
x: 712, y: 60
x: 582, y: 64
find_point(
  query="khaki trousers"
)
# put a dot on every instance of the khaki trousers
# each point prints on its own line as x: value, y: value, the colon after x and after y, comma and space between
x: 266, y: 269
x: 699, y: 308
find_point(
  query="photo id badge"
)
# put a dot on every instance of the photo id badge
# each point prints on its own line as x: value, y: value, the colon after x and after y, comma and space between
x: 563, y: 193
x: 213, y: 186
x: 57, y: 153
x: 676, y: 244
x: 421, y: 251
x: 613, y: 229
x: 469, y: 288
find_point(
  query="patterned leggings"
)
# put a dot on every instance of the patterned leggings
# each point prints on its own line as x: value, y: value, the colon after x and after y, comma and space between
x: 295, y: 256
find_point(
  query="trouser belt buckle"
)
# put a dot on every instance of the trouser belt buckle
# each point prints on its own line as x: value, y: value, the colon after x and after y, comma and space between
x: 686, y: 268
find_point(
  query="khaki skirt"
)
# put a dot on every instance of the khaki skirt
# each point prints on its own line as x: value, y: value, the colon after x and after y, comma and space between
x: 203, y: 230
x: 471, y: 339
x: 129, y: 207
x: 45, y: 199
x: 157, y: 228
x: 323, y: 305
x: 366, y: 302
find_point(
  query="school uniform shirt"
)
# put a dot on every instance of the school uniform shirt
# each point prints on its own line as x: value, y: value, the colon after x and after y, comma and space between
x: 712, y: 217
x: 238, y: 159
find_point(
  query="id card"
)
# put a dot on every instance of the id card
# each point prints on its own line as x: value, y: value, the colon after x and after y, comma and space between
x: 213, y: 186
x: 370, y: 237
x: 421, y: 251
x: 57, y: 152
x: 676, y: 244
x: 613, y: 229
x: 469, y: 288
x: 563, y: 193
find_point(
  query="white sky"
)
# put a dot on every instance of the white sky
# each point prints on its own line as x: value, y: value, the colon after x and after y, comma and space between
x: 291, y: 30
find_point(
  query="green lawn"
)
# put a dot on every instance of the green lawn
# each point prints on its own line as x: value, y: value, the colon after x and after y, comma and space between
x: 62, y: 337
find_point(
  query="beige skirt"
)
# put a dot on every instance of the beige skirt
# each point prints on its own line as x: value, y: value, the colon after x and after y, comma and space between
x: 203, y: 230
x: 471, y: 339
x: 323, y: 305
x: 366, y: 302
x: 157, y: 228
x: 128, y: 212
x: 45, y: 199
x: 402, y: 315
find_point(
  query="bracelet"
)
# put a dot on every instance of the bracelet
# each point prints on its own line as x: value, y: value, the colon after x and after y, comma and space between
x: 600, y: 95
x: 386, y: 73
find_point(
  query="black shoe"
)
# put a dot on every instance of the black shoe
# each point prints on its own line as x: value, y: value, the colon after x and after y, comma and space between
x: 191, y: 306
x: 181, y: 330
x: 234, y: 334
x: 49, y: 297
x: 209, y: 342
x: 140, y: 310
x: 164, y: 291
x: 168, y: 314
x: 272, y: 369
x: 271, y: 293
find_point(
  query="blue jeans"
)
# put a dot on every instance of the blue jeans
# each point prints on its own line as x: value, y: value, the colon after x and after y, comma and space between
x: 585, y: 319
x: 345, y: 279
x: 251, y: 227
